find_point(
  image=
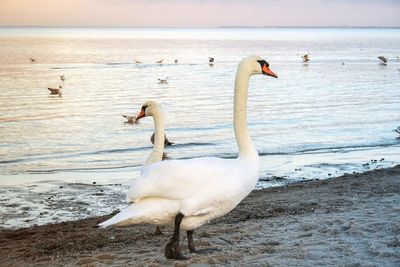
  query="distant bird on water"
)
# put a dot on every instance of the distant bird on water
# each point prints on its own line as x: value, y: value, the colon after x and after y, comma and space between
x: 138, y: 61
x: 397, y: 130
x: 62, y: 77
x: 211, y: 61
x: 306, y: 58
x: 163, y: 81
x: 166, y: 141
x: 32, y: 60
x: 55, y: 91
x: 160, y: 61
x: 130, y: 119
x: 383, y: 60
x: 176, y: 61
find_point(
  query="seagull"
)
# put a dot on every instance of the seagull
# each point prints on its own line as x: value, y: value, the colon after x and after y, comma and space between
x: 62, y: 77
x: 305, y: 58
x: 55, y: 91
x: 383, y: 60
x: 32, y: 60
x: 211, y: 61
x: 163, y: 81
x: 160, y: 61
x: 130, y: 119
x: 138, y: 62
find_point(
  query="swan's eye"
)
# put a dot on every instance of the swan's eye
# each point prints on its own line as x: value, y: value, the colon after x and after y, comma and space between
x: 263, y: 63
x: 144, y: 107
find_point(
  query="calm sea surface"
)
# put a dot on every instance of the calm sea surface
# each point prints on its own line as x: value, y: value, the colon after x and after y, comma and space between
x: 316, y: 121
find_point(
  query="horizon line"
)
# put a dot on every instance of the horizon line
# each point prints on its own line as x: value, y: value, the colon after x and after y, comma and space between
x: 204, y: 27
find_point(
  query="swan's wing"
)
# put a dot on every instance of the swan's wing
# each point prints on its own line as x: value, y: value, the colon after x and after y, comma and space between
x: 182, y: 179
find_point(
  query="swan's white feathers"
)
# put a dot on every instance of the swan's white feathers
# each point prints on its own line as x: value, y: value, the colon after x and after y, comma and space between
x: 182, y: 179
x: 150, y: 210
x: 169, y: 187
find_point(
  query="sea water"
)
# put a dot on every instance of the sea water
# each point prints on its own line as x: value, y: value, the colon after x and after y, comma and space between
x: 319, y: 117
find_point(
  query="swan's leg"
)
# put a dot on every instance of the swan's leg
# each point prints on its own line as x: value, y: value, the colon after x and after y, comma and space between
x: 173, y: 249
x: 158, y: 231
x: 192, y: 249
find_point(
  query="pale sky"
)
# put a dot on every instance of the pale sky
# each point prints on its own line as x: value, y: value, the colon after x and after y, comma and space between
x: 200, y: 13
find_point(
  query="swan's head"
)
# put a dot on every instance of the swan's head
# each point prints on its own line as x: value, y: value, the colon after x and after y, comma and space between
x: 150, y: 108
x: 256, y: 65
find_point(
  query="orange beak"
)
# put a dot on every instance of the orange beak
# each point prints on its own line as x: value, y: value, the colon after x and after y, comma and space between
x: 268, y: 72
x: 141, y: 115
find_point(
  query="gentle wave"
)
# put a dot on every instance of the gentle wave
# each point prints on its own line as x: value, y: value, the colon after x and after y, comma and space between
x: 124, y: 64
x: 94, y: 169
x: 106, y: 151
x: 334, y: 149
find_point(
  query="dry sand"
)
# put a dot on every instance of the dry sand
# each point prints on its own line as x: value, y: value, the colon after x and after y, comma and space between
x: 353, y: 220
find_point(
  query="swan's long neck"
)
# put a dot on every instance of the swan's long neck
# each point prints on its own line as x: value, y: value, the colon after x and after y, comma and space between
x: 247, y: 150
x: 158, y: 148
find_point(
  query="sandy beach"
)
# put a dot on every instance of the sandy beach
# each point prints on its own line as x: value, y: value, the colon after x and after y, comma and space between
x: 353, y: 220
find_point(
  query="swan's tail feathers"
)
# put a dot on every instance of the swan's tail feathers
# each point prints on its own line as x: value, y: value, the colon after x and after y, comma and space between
x: 153, y: 211
x: 121, y: 218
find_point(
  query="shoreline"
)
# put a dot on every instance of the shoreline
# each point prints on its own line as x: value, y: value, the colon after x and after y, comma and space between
x: 68, y: 197
x: 351, y: 220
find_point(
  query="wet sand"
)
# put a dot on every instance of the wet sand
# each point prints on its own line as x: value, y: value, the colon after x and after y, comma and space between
x: 353, y: 220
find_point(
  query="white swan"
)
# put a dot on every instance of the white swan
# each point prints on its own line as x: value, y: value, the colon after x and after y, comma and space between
x: 154, y: 109
x: 189, y: 193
